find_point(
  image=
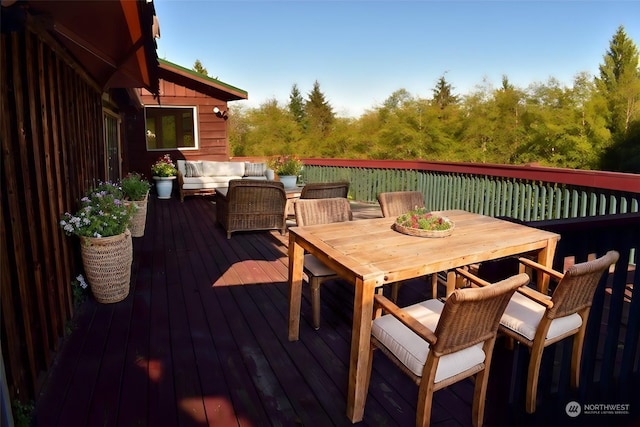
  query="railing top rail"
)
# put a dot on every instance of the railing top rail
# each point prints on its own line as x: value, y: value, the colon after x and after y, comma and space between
x: 588, y: 178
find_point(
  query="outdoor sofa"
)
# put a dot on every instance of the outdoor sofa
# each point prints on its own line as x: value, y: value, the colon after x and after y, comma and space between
x: 202, y: 177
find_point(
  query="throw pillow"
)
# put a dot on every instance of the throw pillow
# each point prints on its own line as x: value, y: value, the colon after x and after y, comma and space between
x: 193, y: 169
x: 254, y: 169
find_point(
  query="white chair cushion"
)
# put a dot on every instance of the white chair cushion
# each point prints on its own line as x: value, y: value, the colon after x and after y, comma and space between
x: 315, y: 267
x: 412, y: 350
x: 523, y: 316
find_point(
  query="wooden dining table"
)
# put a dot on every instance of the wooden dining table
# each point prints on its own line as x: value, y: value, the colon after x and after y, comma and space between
x: 368, y: 253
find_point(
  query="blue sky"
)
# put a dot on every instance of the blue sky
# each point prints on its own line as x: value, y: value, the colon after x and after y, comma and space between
x: 362, y: 51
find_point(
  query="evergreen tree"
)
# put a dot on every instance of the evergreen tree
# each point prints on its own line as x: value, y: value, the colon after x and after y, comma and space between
x: 619, y: 83
x: 199, y: 68
x: 319, y: 113
x: 443, y: 94
x: 296, y: 105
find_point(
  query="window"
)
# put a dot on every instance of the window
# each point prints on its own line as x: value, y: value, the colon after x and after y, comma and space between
x: 171, y: 127
x: 112, y: 144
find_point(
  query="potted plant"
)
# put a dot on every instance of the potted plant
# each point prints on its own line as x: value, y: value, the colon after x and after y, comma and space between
x: 164, y: 172
x: 102, y: 222
x: 288, y: 168
x: 136, y: 191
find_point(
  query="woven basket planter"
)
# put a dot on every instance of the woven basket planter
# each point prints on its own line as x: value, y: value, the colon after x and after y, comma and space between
x: 424, y: 233
x: 139, y: 219
x: 107, y: 265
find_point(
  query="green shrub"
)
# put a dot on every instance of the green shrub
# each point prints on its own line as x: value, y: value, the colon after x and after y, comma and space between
x: 134, y: 186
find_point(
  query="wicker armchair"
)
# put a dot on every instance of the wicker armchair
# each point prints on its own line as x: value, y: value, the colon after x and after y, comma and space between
x: 312, y: 212
x: 537, y: 321
x: 396, y: 203
x: 252, y: 205
x: 325, y: 190
x: 438, y: 344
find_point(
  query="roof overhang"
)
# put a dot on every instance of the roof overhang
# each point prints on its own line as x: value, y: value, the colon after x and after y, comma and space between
x: 113, y: 40
x: 199, y: 82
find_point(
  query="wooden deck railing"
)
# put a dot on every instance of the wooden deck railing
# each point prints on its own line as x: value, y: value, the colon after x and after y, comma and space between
x: 609, y: 365
x: 592, y: 211
x: 527, y: 193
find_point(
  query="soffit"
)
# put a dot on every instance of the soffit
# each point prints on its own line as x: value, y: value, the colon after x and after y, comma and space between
x: 113, y: 40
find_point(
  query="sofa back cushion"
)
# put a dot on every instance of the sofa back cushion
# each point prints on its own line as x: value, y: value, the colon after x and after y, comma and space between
x: 254, y: 169
x: 211, y: 168
x: 193, y: 169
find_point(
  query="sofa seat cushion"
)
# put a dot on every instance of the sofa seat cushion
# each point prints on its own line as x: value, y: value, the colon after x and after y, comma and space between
x: 195, y: 183
x: 226, y: 169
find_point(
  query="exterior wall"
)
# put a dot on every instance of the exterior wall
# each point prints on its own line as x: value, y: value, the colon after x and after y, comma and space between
x: 212, y: 130
x: 52, y: 152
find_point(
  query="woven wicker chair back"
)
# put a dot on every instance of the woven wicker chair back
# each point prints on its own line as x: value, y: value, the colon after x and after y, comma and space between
x: 576, y: 289
x: 325, y: 190
x: 396, y: 203
x: 322, y: 211
x: 472, y: 315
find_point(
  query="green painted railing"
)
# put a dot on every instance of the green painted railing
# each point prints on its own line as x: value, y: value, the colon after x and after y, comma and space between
x: 496, y: 191
x: 592, y: 211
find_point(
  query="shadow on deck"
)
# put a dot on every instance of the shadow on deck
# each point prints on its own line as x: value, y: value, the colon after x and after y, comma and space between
x: 202, y: 340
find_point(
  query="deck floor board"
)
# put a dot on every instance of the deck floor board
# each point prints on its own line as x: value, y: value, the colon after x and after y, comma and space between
x: 202, y: 340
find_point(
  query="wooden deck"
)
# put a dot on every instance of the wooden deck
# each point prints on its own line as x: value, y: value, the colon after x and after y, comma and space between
x: 202, y: 340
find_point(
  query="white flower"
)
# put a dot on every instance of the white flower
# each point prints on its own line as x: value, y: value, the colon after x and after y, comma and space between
x: 81, y: 281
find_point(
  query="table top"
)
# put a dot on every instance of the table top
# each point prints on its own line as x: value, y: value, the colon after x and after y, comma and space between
x: 372, y: 250
x: 369, y: 253
x: 293, y: 192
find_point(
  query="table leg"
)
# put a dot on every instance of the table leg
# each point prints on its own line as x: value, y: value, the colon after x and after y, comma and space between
x: 545, y: 257
x: 296, y: 265
x: 360, y: 345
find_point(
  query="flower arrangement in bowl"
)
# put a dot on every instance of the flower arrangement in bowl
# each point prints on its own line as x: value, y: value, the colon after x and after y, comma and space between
x: 164, y: 167
x: 134, y: 186
x: 286, y: 165
x: 423, y: 223
x: 102, y: 213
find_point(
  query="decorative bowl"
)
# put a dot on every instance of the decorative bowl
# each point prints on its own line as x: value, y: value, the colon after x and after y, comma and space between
x: 422, y: 223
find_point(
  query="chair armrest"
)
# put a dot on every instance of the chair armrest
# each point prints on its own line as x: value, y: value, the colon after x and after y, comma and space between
x: 410, y: 322
x: 529, y: 263
x: 536, y: 296
x: 472, y: 277
x: 532, y: 294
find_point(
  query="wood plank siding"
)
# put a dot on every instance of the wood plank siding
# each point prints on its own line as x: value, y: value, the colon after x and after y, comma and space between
x: 52, y: 151
x: 181, y: 87
x: 212, y: 130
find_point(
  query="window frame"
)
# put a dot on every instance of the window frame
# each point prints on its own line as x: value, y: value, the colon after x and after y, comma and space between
x: 193, y: 108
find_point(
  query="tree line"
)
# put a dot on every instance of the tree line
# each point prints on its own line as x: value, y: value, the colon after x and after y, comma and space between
x: 592, y: 124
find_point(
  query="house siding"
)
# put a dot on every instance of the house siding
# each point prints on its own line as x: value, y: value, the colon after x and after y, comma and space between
x: 52, y: 152
x: 212, y: 130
